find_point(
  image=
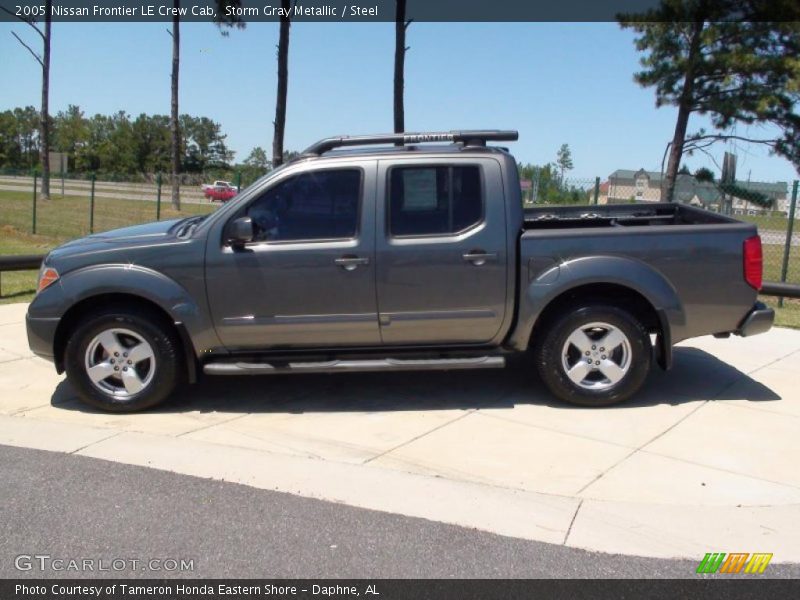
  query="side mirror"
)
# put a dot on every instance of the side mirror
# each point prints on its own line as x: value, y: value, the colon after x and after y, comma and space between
x: 241, y: 231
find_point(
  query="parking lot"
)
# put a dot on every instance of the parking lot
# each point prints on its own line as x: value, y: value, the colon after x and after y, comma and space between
x: 704, y: 460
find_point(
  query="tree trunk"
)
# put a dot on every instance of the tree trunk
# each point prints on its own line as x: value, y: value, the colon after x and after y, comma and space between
x: 44, y: 127
x: 676, y: 152
x: 174, y: 123
x: 685, y: 108
x: 399, y: 65
x: 283, y: 85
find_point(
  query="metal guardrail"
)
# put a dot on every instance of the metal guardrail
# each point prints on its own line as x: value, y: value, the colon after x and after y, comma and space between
x: 784, y: 290
x: 19, y: 262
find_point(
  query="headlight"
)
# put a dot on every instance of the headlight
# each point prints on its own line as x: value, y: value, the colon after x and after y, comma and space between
x: 47, y: 276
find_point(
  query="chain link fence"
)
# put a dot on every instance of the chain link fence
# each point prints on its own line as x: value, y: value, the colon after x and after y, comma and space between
x: 80, y: 205
x: 546, y: 188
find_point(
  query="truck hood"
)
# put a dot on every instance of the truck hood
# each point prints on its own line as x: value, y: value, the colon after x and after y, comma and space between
x: 127, y: 237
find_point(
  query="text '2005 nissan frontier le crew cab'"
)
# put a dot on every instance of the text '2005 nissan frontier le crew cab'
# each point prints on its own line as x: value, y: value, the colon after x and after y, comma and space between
x: 398, y: 254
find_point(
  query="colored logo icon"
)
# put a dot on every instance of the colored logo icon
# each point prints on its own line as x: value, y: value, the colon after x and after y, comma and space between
x: 735, y: 562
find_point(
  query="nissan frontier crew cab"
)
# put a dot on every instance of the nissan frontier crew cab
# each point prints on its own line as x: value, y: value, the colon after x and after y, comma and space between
x: 388, y: 253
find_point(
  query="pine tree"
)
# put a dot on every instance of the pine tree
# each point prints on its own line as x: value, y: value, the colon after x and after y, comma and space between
x: 283, y: 84
x: 400, y: 49
x: 723, y: 58
x: 175, y: 129
x: 564, y: 161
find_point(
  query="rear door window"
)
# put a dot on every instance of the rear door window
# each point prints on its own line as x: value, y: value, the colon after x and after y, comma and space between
x: 434, y: 200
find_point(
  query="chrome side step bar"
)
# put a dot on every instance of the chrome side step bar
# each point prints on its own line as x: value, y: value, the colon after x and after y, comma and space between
x: 335, y: 366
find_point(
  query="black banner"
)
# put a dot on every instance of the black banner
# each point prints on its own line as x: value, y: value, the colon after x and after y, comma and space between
x: 397, y: 589
x: 247, y: 11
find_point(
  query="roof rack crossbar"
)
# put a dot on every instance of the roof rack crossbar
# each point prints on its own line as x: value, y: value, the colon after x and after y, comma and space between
x: 469, y: 137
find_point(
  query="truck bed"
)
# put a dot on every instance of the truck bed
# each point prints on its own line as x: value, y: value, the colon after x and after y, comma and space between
x: 619, y: 215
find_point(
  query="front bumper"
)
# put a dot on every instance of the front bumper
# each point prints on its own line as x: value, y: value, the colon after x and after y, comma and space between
x: 41, y: 336
x: 758, y: 320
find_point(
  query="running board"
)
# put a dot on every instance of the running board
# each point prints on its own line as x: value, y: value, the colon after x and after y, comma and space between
x: 335, y: 366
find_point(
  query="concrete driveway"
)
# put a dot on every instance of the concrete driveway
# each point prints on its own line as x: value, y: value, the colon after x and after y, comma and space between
x: 705, y: 459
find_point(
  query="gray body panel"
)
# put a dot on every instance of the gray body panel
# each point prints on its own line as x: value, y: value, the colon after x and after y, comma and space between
x: 415, y: 293
x: 428, y: 293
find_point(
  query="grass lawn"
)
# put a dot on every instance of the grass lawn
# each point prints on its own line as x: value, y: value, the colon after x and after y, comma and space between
x: 66, y: 218
x: 789, y: 315
x: 62, y: 219
x: 774, y: 222
x: 773, y: 263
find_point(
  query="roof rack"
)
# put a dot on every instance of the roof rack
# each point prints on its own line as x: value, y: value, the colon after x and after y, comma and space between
x: 469, y: 138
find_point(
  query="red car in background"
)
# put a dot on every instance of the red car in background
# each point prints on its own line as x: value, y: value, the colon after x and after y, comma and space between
x: 220, y: 191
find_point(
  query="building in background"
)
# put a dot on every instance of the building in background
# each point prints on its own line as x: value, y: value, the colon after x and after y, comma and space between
x: 625, y: 185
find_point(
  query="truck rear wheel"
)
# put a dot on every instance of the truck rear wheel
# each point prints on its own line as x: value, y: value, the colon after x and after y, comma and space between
x: 594, y: 355
x: 122, y: 359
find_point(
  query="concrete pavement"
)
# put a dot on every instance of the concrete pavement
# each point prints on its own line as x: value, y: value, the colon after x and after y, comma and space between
x: 704, y: 460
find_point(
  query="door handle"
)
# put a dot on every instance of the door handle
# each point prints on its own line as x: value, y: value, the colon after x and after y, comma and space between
x: 479, y: 257
x: 350, y: 263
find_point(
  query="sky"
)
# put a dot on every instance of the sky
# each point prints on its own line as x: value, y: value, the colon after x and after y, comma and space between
x: 554, y: 82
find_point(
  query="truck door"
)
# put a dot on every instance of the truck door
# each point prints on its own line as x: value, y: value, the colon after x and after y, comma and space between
x: 442, y: 255
x: 308, y: 278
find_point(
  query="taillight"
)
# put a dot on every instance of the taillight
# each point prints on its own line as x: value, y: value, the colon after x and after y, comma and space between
x: 753, y: 262
x: 47, y: 276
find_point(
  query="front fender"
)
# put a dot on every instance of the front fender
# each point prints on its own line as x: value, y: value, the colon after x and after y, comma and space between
x: 630, y: 273
x: 135, y: 280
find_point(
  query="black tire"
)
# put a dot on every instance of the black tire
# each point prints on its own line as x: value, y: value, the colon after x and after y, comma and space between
x: 549, y: 352
x: 149, y: 327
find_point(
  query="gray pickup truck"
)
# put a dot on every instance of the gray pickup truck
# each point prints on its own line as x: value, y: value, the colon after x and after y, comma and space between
x: 410, y: 252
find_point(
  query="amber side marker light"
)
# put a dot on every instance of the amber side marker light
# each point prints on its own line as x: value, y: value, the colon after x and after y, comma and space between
x: 47, y: 276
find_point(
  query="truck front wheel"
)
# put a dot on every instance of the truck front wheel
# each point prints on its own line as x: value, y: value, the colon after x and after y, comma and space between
x: 122, y: 359
x: 593, y: 355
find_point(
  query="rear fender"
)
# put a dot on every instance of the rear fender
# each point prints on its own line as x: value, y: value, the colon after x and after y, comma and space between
x: 626, y: 272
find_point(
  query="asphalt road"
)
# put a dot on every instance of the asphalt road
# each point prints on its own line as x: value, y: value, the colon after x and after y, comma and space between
x: 73, y: 507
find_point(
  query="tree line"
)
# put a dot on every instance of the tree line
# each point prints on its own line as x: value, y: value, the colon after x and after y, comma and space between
x: 549, y: 183
x: 117, y: 144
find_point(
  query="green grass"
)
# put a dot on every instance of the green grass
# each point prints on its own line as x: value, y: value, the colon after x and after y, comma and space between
x: 789, y: 315
x: 773, y: 264
x: 62, y: 219
x: 774, y: 222
x: 67, y: 218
